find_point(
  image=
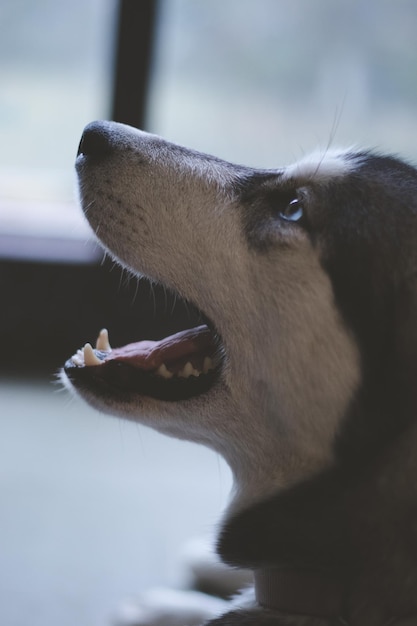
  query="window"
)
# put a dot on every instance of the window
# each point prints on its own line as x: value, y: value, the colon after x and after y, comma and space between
x: 255, y: 82
x: 259, y: 83
x: 264, y: 82
x: 55, y: 73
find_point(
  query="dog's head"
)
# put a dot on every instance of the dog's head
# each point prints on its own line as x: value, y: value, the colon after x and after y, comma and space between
x: 304, y: 278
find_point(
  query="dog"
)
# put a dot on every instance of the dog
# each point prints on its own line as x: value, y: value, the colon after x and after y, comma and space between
x: 302, y: 373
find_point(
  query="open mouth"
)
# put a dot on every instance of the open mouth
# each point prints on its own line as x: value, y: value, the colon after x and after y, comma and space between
x: 176, y: 367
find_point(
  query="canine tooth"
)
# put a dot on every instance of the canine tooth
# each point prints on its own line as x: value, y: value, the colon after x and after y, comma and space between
x: 186, y: 371
x: 102, y: 342
x: 89, y: 356
x: 207, y: 364
x: 164, y: 372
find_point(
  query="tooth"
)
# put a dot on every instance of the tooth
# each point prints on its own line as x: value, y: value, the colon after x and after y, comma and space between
x: 164, y: 372
x: 89, y: 356
x: 77, y: 360
x: 102, y: 342
x: 207, y: 364
x: 186, y: 371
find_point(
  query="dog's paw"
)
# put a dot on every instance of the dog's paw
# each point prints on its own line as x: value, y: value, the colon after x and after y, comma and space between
x: 167, y: 607
x: 205, y: 571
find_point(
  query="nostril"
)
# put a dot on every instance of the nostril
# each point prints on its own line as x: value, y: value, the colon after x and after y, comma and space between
x: 95, y: 140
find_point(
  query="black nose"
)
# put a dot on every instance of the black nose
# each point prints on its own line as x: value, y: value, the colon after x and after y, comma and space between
x: 96, y: 139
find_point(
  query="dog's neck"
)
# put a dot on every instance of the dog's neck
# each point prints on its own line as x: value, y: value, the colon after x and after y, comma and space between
x: 356, y: 524
x: 257, y: 476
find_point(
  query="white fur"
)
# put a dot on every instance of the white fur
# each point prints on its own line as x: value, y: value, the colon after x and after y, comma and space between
x: 179, y: 607
x: 205, y: 570
x: 175, y: 607
x: 321, y: 167
x: 169, y: 607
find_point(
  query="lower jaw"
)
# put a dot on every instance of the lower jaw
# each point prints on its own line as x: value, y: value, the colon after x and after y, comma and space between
x: 119, y: 379
x: 141, y: 368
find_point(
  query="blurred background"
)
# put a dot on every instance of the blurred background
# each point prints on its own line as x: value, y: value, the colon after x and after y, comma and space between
x: 93, y: 509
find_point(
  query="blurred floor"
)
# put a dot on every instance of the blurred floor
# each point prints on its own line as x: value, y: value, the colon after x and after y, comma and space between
x: 92, y: 509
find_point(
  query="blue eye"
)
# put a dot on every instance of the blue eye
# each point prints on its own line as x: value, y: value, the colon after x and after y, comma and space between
x: 293, y: 212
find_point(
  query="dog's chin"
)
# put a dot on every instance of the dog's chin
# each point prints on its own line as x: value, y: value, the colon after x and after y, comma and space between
x: 175, y: 368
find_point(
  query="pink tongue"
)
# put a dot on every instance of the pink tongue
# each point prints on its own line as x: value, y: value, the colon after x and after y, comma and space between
x: 149, y: 355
